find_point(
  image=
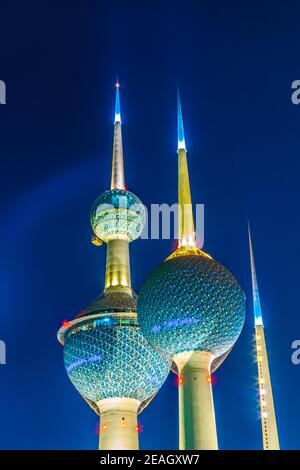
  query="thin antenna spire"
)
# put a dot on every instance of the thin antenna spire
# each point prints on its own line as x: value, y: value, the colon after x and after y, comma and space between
x: 117, y: 174
x: 256, y: 299
x: 186, y: 228
x: 267, y: 410
x: 180, y: 128
x: 117, y: 107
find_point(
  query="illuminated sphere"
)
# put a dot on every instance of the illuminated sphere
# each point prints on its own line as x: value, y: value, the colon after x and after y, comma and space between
x: 108, y: 357
x: 117, y: 214
x: 191, y: 303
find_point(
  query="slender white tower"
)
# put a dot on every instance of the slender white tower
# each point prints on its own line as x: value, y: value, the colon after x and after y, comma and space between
x: 105, y: 354
x: 192, y: 309
x: 197, y: 423
x: 267, y: 410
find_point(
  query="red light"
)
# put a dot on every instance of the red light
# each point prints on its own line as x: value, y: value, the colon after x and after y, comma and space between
x: 175, y: 245
x: 139, y: 428
x: 65, y: 323
x: 180, y: 379
x: 211, y: 379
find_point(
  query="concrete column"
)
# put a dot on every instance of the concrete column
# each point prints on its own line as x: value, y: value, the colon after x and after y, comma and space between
x: 118, y: 265
x: 197, y: 424
x: 118, y: 424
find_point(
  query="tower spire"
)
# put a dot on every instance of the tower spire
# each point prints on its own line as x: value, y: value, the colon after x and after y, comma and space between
x: 106, y: 356
x: 117, y: 106
x: 267, y: 410
x: 186, y: 230
x: 117, y: 174
x: 256, y: 300
x: 180, y: 128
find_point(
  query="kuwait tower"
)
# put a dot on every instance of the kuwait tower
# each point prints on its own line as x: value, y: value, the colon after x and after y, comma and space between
x: 106, y: 357
x: 267, y: 410
x: 192, y: 309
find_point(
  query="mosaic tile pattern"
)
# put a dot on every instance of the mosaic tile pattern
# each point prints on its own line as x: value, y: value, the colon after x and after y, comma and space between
x: 112, y: 361
x: 191, y: 302
x: 117, y: 212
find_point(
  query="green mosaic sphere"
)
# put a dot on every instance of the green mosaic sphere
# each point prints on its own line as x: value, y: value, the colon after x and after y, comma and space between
x: 117, y: 214
x: 189, y: 303
x: 108, y: 357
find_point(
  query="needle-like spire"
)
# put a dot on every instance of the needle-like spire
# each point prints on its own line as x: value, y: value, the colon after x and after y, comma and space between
x: 267, y: 409
x: 117, y: 175
x: 117, y: 108
x: 186, y: 228
x: 256, y: 299
x: 180, y: 128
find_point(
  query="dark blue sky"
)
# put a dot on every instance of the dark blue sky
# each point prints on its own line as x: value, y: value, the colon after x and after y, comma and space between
x: 235, y: 63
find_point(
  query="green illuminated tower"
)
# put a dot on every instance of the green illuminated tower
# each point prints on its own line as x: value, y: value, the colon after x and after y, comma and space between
x: 267, y: 410
x: 106, y: 357
x: 191, y: 308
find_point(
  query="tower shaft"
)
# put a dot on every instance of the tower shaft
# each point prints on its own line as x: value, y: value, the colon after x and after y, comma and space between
x: 117, y: 276
x: 197, y: 423
x: 118, y: 424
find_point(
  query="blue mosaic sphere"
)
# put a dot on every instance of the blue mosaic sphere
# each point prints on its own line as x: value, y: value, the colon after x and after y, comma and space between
x: 189, y: 303
x: 117, y: 214
x: 109, y: 357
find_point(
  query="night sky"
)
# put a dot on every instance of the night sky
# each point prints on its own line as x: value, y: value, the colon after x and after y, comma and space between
x: 235, y: 63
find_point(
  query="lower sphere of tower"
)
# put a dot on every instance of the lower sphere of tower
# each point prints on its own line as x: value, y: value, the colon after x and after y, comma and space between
x: 104, y: 360
x: 189, y: 303
x: 117, y: 213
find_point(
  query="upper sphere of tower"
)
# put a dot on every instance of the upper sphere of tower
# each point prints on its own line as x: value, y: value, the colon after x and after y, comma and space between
x: 117, y: 213
x: 189, y: 303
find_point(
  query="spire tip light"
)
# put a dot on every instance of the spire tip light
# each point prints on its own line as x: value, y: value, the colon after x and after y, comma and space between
x: 117, y: 108
x: 256, y: 299
x: 180, y: 129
